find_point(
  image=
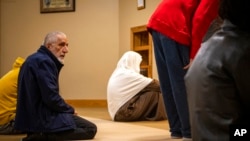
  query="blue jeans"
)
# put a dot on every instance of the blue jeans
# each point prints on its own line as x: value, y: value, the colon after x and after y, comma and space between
x: 171, y: 57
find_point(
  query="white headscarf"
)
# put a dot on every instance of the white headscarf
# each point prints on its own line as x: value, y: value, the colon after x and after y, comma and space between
x: 125, y: 82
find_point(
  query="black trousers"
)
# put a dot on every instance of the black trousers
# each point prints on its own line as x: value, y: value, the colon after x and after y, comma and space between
x: 8, y: 129
x: 85, y: 130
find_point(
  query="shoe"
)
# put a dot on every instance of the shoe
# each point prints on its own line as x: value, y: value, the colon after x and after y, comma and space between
x: 176, y: 137
x: 36, y: 137
x: 186, y: 139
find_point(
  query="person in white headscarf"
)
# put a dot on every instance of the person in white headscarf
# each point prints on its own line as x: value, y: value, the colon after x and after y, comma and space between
x: 132, y: 96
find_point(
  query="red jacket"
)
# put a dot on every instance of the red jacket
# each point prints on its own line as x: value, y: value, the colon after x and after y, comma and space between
x: 185, y: 21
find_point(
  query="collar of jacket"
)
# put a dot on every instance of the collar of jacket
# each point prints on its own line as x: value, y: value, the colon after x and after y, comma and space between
x: 227, y: 23
x: 44, y: 50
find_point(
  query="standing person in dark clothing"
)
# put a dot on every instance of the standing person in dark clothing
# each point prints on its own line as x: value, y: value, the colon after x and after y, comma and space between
x: 41, y: 111
x: 217, y: 83
x: 177, y: 28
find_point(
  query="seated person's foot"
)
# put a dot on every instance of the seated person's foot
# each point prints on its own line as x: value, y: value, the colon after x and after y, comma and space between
x: 39, y: 137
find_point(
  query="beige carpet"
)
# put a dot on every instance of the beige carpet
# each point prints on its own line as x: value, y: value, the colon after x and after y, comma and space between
x: 117, y: 131
x: 122, y: 131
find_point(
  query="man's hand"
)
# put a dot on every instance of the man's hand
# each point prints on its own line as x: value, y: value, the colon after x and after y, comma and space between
x: 188, y: 65
x: 75, y: 113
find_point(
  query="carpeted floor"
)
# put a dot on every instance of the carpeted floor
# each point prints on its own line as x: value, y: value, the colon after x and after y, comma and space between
x: 117, y: 131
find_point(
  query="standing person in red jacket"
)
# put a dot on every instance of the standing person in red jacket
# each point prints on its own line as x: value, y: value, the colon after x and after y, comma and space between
x: 177, y: 28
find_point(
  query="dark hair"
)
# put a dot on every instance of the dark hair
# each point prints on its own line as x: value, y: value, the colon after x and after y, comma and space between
x: 236, y: 11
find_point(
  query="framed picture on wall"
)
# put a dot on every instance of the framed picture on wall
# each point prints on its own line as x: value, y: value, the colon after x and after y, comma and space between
x: 140, y: 4
x: 51, y: 6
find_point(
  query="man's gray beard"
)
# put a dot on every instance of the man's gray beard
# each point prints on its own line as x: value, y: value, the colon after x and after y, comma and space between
x: 61, y: 60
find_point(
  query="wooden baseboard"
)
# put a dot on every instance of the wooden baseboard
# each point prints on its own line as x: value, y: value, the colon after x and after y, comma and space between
x: 87, y: 103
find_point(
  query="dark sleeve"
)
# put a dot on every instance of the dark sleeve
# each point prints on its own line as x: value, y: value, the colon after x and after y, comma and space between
x: 242, y: 77
x: 49, y: 86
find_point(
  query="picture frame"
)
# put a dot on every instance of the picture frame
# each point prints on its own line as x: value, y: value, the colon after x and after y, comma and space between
x: 140, y: 4
x: 52, y: 6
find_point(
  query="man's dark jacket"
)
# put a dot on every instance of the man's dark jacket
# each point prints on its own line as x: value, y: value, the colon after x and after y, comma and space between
x: 40, y: 108
x: 218, y: 86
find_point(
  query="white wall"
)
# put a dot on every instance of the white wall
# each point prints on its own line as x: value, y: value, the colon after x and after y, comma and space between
x: 129, y: 17
x: 98, y: 32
